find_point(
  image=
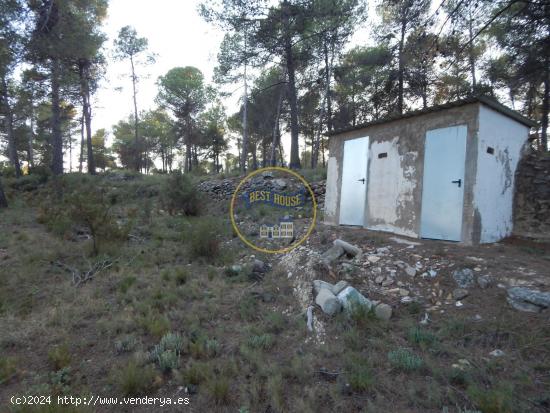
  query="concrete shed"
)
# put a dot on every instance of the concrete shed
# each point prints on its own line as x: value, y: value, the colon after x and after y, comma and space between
x: 445, y: 172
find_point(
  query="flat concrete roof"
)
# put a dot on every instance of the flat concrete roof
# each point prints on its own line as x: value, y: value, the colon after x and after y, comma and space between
x: 492, y: 103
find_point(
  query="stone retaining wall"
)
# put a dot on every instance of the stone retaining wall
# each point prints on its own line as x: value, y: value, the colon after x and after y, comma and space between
x: 532, y: 198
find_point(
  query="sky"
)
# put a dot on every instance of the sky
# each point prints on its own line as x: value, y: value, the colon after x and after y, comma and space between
x: 178, y: 36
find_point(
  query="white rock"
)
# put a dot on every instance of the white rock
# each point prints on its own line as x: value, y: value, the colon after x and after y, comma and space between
x: 497, y: 353
x: 328, y: 302
x: 373, y: 258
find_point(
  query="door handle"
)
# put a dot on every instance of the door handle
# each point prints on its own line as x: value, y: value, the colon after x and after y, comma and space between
x: 362, y: 180
x: 459, y: 182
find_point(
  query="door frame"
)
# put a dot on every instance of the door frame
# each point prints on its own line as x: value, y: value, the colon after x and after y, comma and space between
x: 363, y: 224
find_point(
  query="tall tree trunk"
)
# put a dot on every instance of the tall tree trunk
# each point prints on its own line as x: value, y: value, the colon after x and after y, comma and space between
x: 292, y: 93
x: 244, y: 154
x: 471, y: 56
x: 545, y: 109
x: 12, y: 143
x: 136, y: 120
x: 81, y: 157
x: 83, y: 71
x: 3, y: 200
x: 30, y: 150
x: 274, y: 137
x: 57, y: 138
x: 328, y: 98
x: 401, y: 68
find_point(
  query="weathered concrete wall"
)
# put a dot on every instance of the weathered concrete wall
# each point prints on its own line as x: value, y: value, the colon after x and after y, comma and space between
x: 332, y: 191
x: 532, y: 199
x: 395, y: 182
x: 494, y: 180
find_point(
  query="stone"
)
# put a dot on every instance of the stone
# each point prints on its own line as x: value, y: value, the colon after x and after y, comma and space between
x: 379, y: 279
x: 497, y: 353
x: 404, y: 241
x: 538, y: 298
x: 328, y: 302
x: 332, y: 254
x: 460, y: 293
x: 382, y: 250
x: 349, y: 297
x: 406, y: 300
x: 373, y: 258
x: 350, y: 249
x: 523, y: 306
x: 318, y: 285
x: 258, y: 266
x: 383, y: 311
x: 459, y: 304
x: 339, y: 286
x: 280, y: 183
x: 403, y: 292
x: 484, y: 281
x: 410, y: 271
x: 387, y: 282
x: 464, y: 278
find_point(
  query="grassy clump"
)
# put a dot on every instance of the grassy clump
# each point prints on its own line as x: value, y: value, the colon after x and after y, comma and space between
x: 59, y: 357
x: 497, y: 400
x: 404, y: 360
x: 134, y: 380
x: 218, y: 390
x: 7, y: 368
x: 359, y: 374
x: 167, y: 353
x: 180, y: 195
x: 263, y: 341
x: 125, y: 344
x: 421, y: 337
x: 155, y: 324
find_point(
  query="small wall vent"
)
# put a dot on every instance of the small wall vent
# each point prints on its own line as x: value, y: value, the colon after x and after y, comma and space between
x: 490, y: 150
x: 382, y: 155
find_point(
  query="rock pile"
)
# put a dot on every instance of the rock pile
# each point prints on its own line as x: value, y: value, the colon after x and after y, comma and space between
x: 223, y: 189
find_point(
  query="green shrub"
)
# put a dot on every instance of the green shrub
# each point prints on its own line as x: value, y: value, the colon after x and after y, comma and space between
x: 134, y: 380
x: 126, y: 344
x: 195, y: 373
x: 359, y: 374
x: 7, y: 368
x: 179, y: 194
x: 168, y: 360
x: 498, y: 400
x: 275, y: 322
x: 264, y: 341
x: 167, y: 353
x: 203, y: 236
x: 248, y: 308
x: 181, y: 275
x: 156, y: 325
x: 125, y: 284
x: 421, y: 337
x: 59, y: 357
x: 218, y: 389
x: 403, y: 359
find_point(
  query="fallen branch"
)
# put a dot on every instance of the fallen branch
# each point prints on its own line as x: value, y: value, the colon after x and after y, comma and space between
x: 79, y: 277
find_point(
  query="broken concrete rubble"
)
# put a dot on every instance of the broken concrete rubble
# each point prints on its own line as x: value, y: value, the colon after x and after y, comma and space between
x: 350, y: 298
x: 332, y: 254
x: 348, y: 248
x: 328, y: 302
x: 524, y: 299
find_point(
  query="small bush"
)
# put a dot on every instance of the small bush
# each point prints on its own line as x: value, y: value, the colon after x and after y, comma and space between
x: 59, y: 357
x: 275, y: 322
x: 264, y: 341
x: 218, y: 389
x: 168, y: 360
x: 181, y: 275
x: 493, y: 400
x: 125, y: 284
x: 403, y: 359
x: 7, y: 369
x: 134, y: 380
x: 195, y: 373
x: 156, y: 325
x: 167, y: 353
x: 248, y: 308
x: 204, y: 238
x: 359, y: 374
x: 179, y: 194
x: 421, y: 337
x: 126, y: 344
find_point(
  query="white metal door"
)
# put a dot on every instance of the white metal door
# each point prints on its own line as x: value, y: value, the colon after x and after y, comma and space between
x: 443, y: 183
x: 354, y: 182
